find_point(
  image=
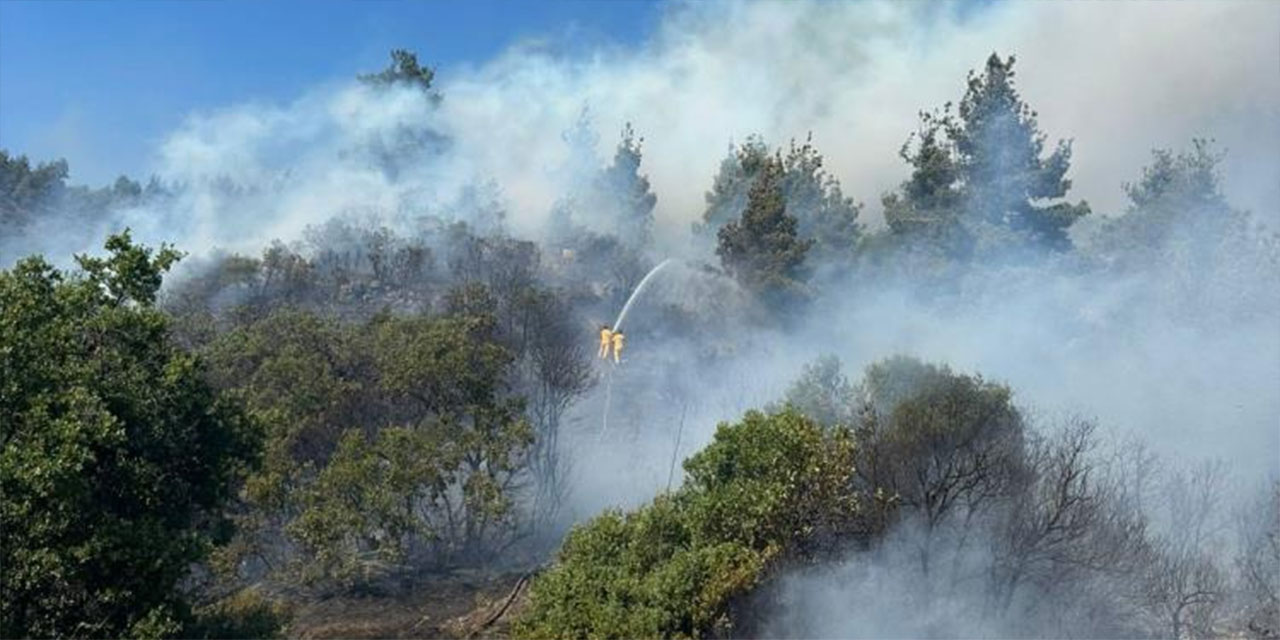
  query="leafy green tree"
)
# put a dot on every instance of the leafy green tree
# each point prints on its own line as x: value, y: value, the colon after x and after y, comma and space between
x: 395, y: 149
x: 762, y: 249
x: 393, y: 444
x: 768, y: 488
x: 404, y: 70
x: 728, y: 196
x: 1000, y: 147
x: 1182, y: 233
x: 939, y: 442
x: 813, y: 197
x: 117, y: 456
x: 823, y: 213
x: 823, y: 393
x: 621, y: 182
x: 927, y: 209
x: 26, y: 190
x: 980, y: 179
x: 1178, y: 204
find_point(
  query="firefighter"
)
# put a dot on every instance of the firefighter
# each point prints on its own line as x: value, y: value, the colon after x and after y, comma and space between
x: 617, y: 346
x: 606, y: 340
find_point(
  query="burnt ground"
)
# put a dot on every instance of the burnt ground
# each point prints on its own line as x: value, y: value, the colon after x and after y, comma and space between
x: 456, y: 606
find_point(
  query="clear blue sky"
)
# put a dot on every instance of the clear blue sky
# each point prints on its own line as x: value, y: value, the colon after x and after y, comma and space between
x: 99, y: 83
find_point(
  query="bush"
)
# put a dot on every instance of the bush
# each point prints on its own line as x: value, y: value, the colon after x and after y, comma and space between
x: 769, y: 487
x: 117, y: 457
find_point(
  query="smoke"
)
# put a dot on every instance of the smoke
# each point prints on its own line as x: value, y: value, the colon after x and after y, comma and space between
x: 1118, y: 79
x: 1190, y: 365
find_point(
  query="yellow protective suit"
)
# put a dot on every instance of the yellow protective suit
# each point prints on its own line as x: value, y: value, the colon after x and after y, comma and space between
x: 617, y: 346
x: 606, y: 340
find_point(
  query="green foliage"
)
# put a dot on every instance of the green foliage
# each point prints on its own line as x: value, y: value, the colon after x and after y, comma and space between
x: 980, y: 180
x: 404, y: 70
x: 25, y: 189
x: 822, y: 211
x: 38, y: 194
x: 767, y: 487
x: 635, y: 201
x: 728, y: 196
x: 393, y: 444
x: 616, y: 200
x: 1178, y: 200
x: 824, y: 215
x: 244, y: 614
x: 117, y: 455
x: 1187, y: 240
x: 823, y: 393
x: 762, y: 249
x: 999, y: 148
x: 938, y: 441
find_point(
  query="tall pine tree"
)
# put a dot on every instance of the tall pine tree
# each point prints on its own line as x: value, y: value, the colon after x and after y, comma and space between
x: 980, y: 177
x: 626, y: 192
x: 762, y: 248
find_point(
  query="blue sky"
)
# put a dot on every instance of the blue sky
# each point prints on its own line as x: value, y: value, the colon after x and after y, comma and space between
x: 101, y: 83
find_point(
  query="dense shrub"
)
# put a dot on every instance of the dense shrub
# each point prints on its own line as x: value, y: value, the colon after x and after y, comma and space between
x: 768, y: 487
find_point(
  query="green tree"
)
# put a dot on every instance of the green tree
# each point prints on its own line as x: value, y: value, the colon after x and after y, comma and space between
x: 768, y: 488
x: 762, y: 249
x: 622, y: 183
x: 395, y: 443
x: 823, y: 393
x: 983, y: 167
x: 117, y: 455
x: 728, y: 196
x: 813, y: 197
x: 926, y: 211
x: 26, y: 190
x: 1178, y: 201
x: 394, y: 149
x: 823, y: 213
x: 939, y: 442
x: 1185, y: 236
x: 404, y: 70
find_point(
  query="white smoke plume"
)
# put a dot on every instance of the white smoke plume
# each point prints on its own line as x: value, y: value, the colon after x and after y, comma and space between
x: 1118, y: 79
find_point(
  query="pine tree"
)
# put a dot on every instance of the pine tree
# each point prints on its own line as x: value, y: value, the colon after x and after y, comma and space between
x: 628, y: 193
x: 762, y: 249
x: 728, y: 195
x: 999, y: 146
x: 979, y: 178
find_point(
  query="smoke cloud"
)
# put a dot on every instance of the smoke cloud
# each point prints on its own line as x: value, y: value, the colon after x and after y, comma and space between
x: 1195, y: 375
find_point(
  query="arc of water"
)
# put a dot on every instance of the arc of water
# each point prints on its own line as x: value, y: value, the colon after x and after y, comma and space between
x: 622, y: 315
x: 617, y: 326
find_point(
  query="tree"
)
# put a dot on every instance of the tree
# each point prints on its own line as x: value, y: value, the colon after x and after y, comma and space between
x: 24, y: 190
x: 823, y: 393
x: 979, y: 177
x: 404, y: 70
x: 762, y: 249
x: 117, y: 455
x: 622, y: 183
x: 927, y: 208
x: 823, y: 213
x: 392, y: 149
x: 394, y: 444
x: 999, y: 146
x: 769, y: 488
x: 728, y: 196
x: 1187, y: 239
x: 615, y: 200
x: 813, y: 197
x: 941, y: 443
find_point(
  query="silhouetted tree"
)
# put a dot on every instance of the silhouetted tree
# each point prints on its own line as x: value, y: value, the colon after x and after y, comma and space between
x: 762, y: 249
